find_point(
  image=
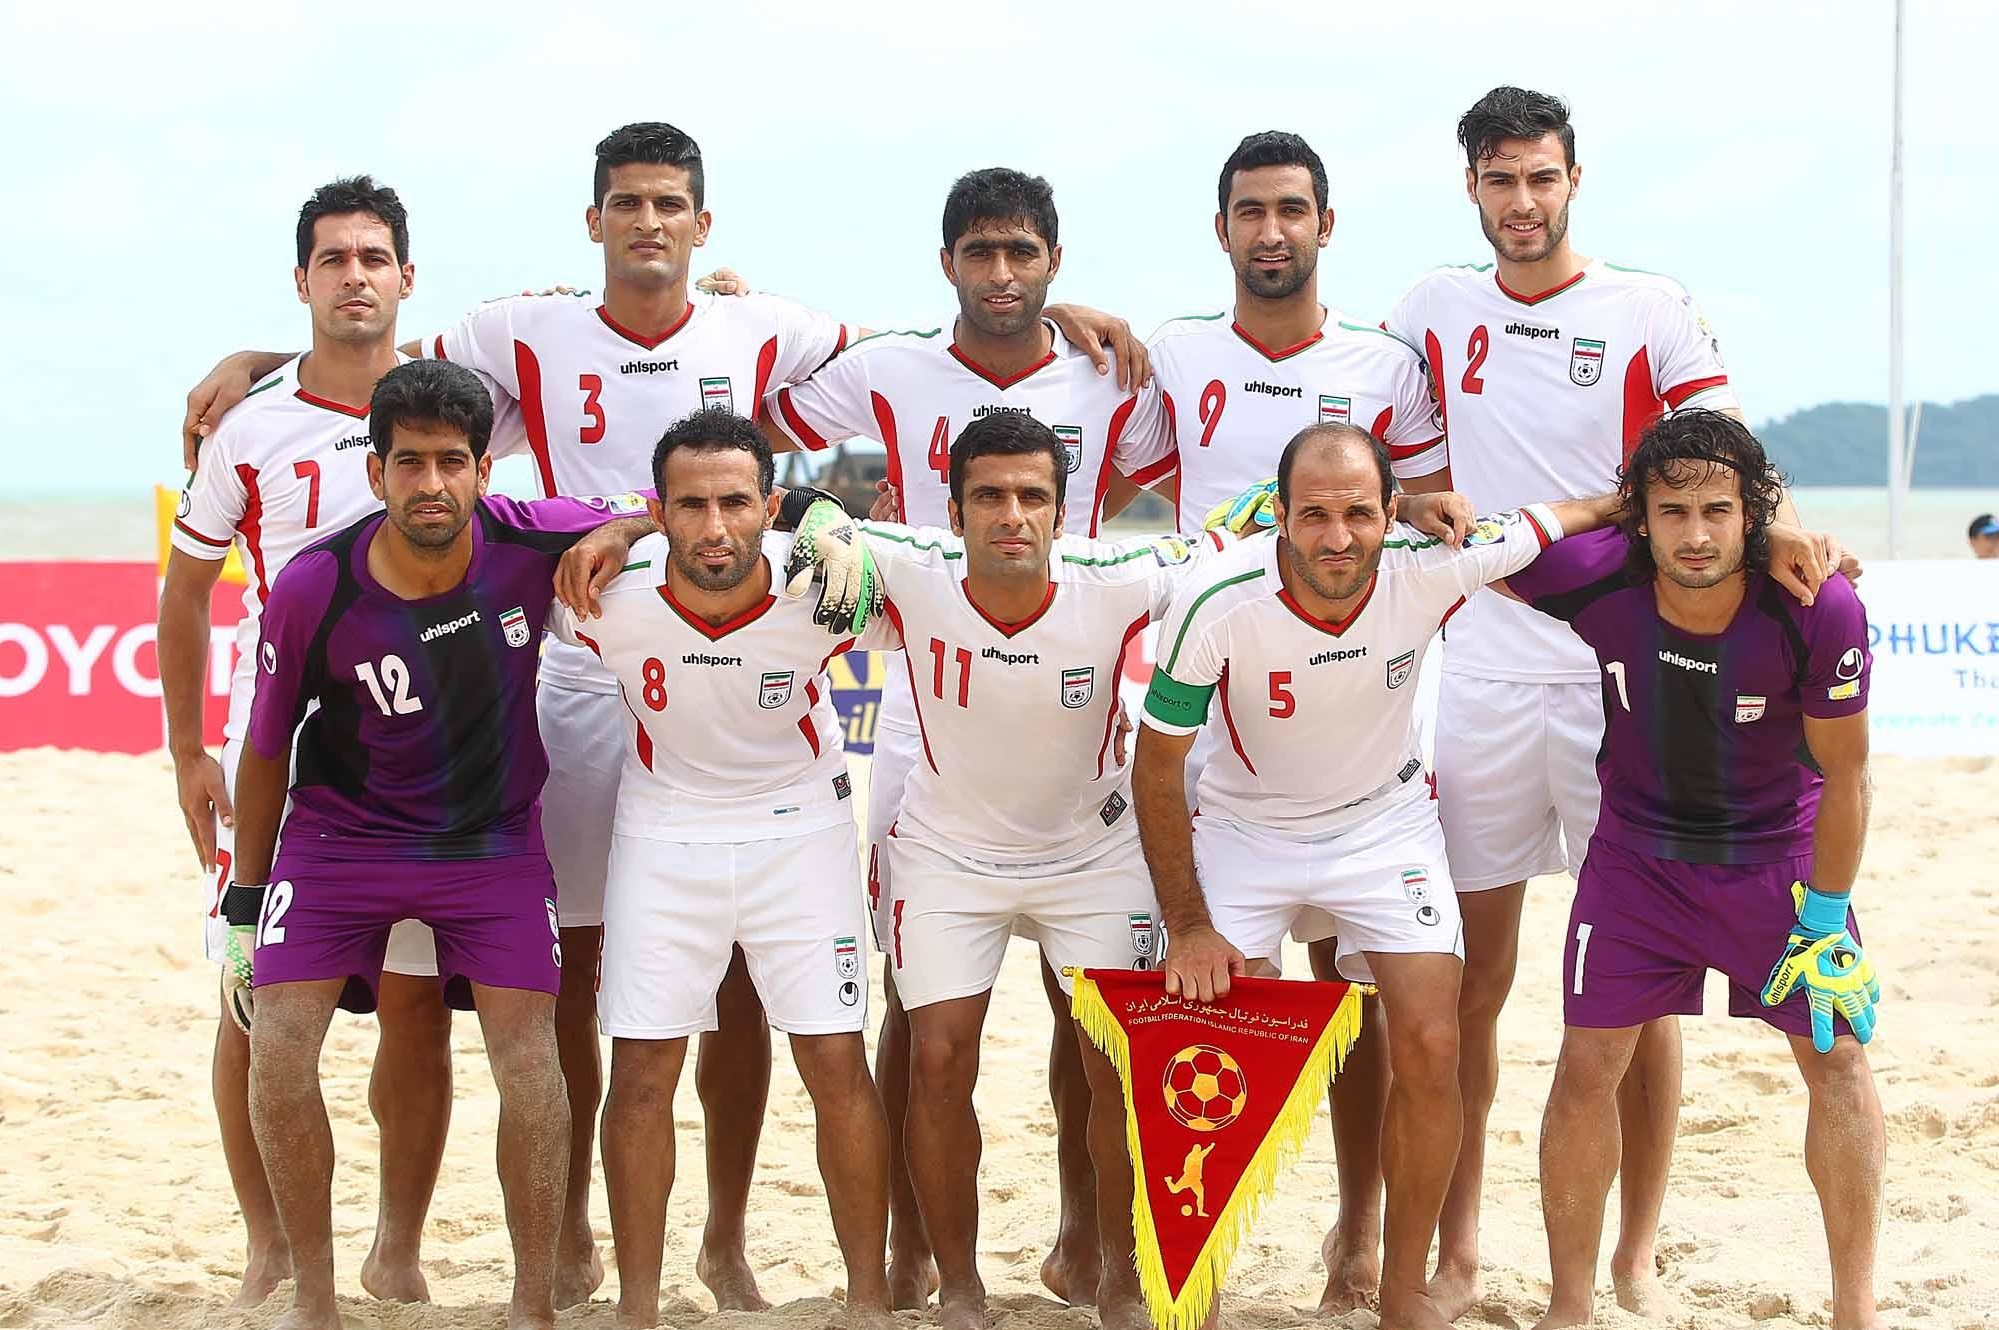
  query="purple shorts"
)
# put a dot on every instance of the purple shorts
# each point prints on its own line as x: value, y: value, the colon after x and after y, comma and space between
x: 494, y: 920
x: 1644, y: 932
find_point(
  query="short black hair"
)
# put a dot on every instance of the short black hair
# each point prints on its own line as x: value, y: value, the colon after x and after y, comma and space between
x: 1330, y: 432
x: 1513, y: 113
x: 998, y: 194
x: 1273, y: 147
x: 1677, y: 448
x: 355, y: 193
x: 430, y: 392
x: 714, y: 429
x: 653, y: 143
x: 1008, y: 434
x: 1981, y: 525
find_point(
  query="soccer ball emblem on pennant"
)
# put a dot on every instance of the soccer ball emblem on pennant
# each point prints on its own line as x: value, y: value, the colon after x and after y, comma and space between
x: 1205, y: 1090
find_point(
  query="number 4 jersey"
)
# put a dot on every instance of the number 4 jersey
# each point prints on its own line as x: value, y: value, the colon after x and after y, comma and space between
x: 425, y: 743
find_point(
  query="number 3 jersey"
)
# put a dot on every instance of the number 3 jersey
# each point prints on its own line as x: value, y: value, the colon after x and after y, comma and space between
x: 1017, y: 719
x: 425, y: 744
x: 734, y: 736
x: 1319, y: 716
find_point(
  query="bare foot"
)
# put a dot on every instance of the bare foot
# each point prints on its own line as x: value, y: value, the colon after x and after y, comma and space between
x: 576, y: 1279
x: 1404, y: 1309
x: 393, y: 1279
x: 632, y: 1316
x: 1643, y: 1294
x: 912, y: 1278
x: 962, y: 1311
x: 1565, y: 1319
x: 530, y: 1318
x: 869, y: 1316
x: 1123, y: 1310
x: 1456, y: 1289
x: 262, y: 1273
x: 1353, y: 1273
x: 728, y: 1277
x: 320, y: 1316
x: 1072, y: 1272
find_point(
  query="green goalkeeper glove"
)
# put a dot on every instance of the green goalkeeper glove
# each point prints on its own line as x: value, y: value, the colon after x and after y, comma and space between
x: 1247, y: 513
x: 826, y: 547
x: 1824, y: 957
x: 240, y: 907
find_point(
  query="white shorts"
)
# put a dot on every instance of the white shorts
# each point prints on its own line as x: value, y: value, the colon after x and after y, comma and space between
x: 675, y: 911
x: 1382, y: 886
x: 585, y: 736
x: 412, y: 949
x: 1516, y: 777
x: 950, y: 916
x: 896, y: 752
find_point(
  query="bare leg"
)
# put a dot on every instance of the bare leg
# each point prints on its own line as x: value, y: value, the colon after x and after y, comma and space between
x: 1648, y: 1116
x: 1419, y: 1140
x: 1845, y: 1152
x: 732, y: 1076
x: 942, y: 1136
x: 1073, y: 1268
x: 638, y: 1166
x: 268, y: 1260
x: 578, y: 1267
x: 295, y: 1139
x: 912, y: 1273
x: 852, y: 1139
x: 409, y: 1093
x: 1492, y: 951
x: 1579, y: 1154
x: 1352, y: 1249
x: 534, y: 1139
x: 1120, y: 1300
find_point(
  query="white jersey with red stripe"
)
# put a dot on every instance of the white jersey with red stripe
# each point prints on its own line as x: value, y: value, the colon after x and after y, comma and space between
x: 1016, y: 719
x: 282, y: 469
x: 916, y: 391
x: 1232, y: 403
x: 588, y: 399
x: 1544, y: 397
x: 733, y: 735
x: 1319, y: 717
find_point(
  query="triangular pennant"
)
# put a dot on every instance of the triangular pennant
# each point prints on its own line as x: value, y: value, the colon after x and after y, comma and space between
x: 1219, y: 1099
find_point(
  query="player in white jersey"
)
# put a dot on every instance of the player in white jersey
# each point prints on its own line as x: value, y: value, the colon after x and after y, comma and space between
x: 282, y: 469
x: 1313, y: 642
x: 1016, y: 816
x: 916, y: 392
x: 733, y: 828
x: 1548, y: 366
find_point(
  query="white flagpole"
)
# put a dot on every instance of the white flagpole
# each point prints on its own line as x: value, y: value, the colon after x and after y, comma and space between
x: 1896, y: 421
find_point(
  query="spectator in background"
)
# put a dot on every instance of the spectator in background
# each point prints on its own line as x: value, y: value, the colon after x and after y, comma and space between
x: 1984, y: 536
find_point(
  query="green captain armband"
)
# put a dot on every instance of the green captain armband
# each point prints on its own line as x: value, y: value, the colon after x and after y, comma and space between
x: 1176, y: 705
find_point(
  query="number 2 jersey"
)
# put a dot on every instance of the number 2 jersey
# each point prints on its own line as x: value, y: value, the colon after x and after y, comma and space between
x: 734, y: 737
x: 1704, y: 756
x: 588, y: 399
x: 1018, y: 719
x: 1319, y: 717
x: 1544, y: 397
x: 425, y: 743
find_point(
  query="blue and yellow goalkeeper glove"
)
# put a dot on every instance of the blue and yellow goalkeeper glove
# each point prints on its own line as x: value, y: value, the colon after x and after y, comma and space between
x: 1823, y: 957
x: 1247, y: 513
x: 826, y: 547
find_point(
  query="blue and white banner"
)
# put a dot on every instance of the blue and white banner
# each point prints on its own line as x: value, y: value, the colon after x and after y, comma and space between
x: 1933, y: 625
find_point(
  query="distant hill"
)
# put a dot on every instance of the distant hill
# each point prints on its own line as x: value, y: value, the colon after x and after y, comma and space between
x: 1846, y: 443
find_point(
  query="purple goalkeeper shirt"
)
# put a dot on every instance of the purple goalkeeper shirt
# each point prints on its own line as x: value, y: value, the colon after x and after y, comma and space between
x: 1704, y: 756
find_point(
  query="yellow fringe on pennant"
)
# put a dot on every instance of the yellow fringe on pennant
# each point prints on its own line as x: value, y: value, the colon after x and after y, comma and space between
x: 1281, y: 1147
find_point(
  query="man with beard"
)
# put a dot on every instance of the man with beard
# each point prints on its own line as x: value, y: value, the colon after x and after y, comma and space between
x: 416, y: 797
x: 734, y: 834
x: 1735, y: 795
x: 1313, y: 642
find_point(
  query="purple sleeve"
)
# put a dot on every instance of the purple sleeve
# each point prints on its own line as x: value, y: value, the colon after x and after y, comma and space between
x: 1568, y: 565
x: 566, y: 516
x: 1837, y: 661
x: 292, y: 614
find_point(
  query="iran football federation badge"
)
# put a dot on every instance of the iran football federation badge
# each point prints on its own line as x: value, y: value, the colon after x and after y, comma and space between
x: 776, y: 689
x: 1077, y: 686
x: 1335, y: 410
x: 515, y: 624
x: 1749, y: 707
x: 1585, y: 361
x: 1398, y: 669
x: 1071, y: 439
x: 717, y: 392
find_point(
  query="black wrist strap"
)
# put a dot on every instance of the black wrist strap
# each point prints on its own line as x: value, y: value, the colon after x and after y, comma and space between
x: 241, y: 905
x: 791, y: 508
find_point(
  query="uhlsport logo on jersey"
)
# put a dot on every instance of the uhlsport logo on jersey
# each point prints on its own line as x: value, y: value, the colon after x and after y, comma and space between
x: 717, y: 392
x: 775, y: 689
x: 1749, y: 706
x: 515, y: 623
x: 1335, y: 410
x: 1143, y: 940
x: 270, y: 658
x: 186, y: 504
x: 1585, y: 361
x: 1398, y: 669
x: 1078, y: 685
x: 1071, y: 439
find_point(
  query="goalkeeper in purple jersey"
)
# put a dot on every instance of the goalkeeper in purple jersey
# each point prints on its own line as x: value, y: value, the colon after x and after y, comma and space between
x: 1735, y: 799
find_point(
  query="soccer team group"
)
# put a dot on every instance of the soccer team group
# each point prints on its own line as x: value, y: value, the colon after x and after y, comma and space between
x: 646, y: 829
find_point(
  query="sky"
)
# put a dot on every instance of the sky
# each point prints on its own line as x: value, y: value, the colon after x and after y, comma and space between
x: 160, y: 154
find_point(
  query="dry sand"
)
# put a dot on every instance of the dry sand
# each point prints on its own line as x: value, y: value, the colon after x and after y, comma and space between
x: 115, y: 1208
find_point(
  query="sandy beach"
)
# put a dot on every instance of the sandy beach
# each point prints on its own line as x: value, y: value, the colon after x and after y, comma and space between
x: 115, y: 1208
